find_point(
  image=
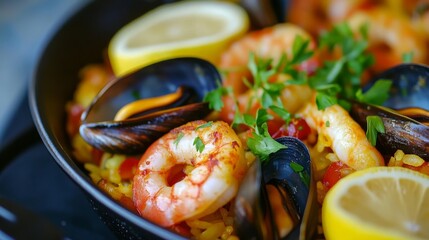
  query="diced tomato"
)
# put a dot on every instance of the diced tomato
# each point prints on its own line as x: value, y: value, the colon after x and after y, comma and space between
x: 182, y: 229
x: 73, y: 119
x: 297, y: 127
x: 334, y: 173
x: 128, y: 168
x: 310, y: 65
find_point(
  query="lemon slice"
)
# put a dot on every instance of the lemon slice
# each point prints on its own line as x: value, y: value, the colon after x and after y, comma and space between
x: 183, y: 29
x: 378, y: 203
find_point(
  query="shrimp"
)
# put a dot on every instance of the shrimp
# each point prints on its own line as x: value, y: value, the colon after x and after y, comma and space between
x: 345, y: 137
x: 309, y: 14
x: 271, y: 43
x: 166, y: 196
x: 390, y: 37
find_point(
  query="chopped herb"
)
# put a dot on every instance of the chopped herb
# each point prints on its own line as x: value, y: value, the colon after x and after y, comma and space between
x: 283, y: 113
x: 324, y: 100
x: 214, y: 97
x: 262, y: 145
x: 199, y: 145
x: 298, y: 168
x: 345, y: 72
x: 374, y: 125
x: 377, y: 94
x: 336, y: 82
x: 136, y: 95
x: 207, y: 124
x: 407, y: 57
x: 179, y: 137
x: 327, y: 123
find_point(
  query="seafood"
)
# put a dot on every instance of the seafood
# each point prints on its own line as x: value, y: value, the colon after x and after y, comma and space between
x: 401, y: 132
x: 212, y: 181
x: 343, y: 135
x: 257, y: 213
x: 135, y: 133
x: 181, y: 182
x: 405, y: 128
x: 385, y: 34
x: 270, y: 43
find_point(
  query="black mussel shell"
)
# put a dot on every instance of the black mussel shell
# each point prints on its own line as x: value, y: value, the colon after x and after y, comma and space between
x: 289, y: 170
x: 405, y: 115
x: 132, y: 136
x: 410, y: 85
x: 401, y: 132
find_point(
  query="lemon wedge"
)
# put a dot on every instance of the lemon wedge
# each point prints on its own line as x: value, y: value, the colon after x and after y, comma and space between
x: 378, y: 203
x: 183, y: 29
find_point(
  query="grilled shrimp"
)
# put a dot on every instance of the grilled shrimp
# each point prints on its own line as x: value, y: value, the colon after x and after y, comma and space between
x: 271, y: 43
x: 344, y: 136
x: 177, y: 181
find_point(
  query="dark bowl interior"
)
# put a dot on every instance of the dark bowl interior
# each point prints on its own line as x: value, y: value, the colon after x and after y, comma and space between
x: 82, y: 40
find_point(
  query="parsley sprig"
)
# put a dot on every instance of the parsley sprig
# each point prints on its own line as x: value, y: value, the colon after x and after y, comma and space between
x: 336, y: 82
x: 340, y: 78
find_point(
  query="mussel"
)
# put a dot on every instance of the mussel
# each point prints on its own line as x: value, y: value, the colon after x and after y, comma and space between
x: 287, y: 176
x: 404, y: 114
x: 189, y: 79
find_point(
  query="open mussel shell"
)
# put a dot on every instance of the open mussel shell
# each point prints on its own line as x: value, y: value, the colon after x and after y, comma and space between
x: 401, y: 132
x: 133, y: 135
x: 289, y: 171
x: 404, y: 114
x: 410, y: 85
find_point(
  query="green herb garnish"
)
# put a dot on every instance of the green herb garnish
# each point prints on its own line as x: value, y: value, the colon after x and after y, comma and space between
x: 199, y: 145
x: 179, y: 137
x: 377, y: 94
x: 297, y: 168
x: 340, y: 78
x: 136, y: 94
x: 335, y: 82
x: 207, y: 124
x: 374, y: 125
x: 214, y: 98
x: 407, y: 57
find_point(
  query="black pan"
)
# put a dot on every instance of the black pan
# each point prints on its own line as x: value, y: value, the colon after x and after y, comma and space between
x: 82, y: 40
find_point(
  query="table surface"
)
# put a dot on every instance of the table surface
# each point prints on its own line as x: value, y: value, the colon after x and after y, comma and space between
x: 33, y: 180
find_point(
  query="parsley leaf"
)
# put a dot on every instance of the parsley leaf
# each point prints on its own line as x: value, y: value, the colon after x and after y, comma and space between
x: 377, y: 94
x: 207, y: 124
x: 199, y: 145
x: 297, y: 168
x: 136, y: 94
x: 262, y: 144
x: 407, y: 57
x: 346, y: 71
x: 374, y: 126
x: 324, y: 100
x: 179, y: 137
x: 214, y: 97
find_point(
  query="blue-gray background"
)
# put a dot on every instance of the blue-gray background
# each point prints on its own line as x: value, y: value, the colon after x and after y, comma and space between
x: 33, y: 180
x: 25, y: 26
